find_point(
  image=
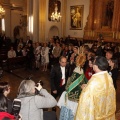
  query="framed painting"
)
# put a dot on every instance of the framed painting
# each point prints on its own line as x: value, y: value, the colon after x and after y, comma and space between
x: 76, y: 17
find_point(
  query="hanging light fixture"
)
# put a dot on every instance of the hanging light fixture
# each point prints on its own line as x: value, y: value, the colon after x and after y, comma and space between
x: 2, y: 11
x: 56, y: 17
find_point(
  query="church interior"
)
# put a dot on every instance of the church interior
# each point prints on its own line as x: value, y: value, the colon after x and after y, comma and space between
x: 84, y: 21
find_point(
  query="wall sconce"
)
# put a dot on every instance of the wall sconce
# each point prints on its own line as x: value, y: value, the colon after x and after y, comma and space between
x: 30, y: 24
x: 3, y: 24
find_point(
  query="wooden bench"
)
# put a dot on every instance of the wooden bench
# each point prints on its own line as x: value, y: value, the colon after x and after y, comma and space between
x: 15, y: 63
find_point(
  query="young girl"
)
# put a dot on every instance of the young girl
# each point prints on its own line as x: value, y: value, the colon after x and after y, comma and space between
x: 114, y: 70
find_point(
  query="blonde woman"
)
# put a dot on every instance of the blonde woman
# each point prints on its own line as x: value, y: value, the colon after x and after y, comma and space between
x: 32, y: 105
x: 45, y: 56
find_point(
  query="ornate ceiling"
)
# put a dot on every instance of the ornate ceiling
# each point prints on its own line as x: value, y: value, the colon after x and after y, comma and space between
x: 15, y: 4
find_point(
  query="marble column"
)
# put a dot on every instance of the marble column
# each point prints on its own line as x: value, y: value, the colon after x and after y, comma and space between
x: 29, y: 14
x: 99, y: 9
x: 42, y: 19
x: 116, y: 23
x: 91, y: 16
x: 63, y: 20
x: 35, y: 20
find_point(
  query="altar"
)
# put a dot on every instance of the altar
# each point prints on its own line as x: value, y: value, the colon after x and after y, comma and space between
x: 103, y: 22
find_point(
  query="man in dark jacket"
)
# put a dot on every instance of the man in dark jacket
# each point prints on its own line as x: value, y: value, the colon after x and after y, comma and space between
x: 59, y: 76
x: 28, y: 41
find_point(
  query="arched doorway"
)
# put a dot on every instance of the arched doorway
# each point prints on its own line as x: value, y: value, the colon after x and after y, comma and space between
x: 54, y: 31
x: 17, y: 32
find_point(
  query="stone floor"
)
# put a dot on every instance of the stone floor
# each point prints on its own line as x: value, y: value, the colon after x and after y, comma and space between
x: 16, y: 76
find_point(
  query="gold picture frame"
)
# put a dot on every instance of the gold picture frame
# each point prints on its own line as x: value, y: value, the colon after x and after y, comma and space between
x: 76, y: 17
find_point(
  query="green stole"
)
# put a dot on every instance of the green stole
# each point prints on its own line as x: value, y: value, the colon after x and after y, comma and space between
x: 73, y: 87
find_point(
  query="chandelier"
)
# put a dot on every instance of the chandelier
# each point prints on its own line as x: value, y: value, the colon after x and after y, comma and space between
x: 2, y: 11
x: 56, y: 17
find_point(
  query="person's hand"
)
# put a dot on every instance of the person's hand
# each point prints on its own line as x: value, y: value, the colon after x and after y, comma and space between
x: 39, y: 87
x: 83, y: 86
x: 55, y: 91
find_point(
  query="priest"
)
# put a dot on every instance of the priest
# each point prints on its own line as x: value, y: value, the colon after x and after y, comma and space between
x: 98, y: 98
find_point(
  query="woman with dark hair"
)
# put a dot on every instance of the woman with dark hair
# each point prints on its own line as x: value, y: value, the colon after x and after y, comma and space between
x: 89, y: 71
x: 19, y: 51
x: 72, y: 61
x: 75, y: 53
x: 114, y: 70
x: 70, y: 51
x: 89, y: 55
x: 30, y: 56
x: 5, y: 90
x: 3, y: 109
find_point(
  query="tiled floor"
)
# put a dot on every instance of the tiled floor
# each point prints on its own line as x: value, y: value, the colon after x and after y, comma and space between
x: 18, y: 75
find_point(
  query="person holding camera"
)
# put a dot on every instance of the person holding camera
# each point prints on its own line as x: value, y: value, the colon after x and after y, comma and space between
x: 31, y: 104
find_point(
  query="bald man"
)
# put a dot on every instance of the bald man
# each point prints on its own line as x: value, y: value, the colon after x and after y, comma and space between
x: 59, y: 76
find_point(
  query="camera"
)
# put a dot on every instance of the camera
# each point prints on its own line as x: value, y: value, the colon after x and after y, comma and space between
x: 16, y: 108
x: 36, y: 91
x: 41, y: 83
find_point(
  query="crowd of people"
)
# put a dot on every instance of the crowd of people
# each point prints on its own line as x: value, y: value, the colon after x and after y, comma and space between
x: 80, y: 75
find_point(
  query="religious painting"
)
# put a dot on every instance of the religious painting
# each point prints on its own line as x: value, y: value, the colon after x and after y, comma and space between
x: 76, y: 17
x: 51, y: 8
x: 109, y: 13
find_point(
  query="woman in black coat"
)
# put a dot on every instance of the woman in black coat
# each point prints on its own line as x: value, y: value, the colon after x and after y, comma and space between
x: 114, y: 71
x: 5, y: 90
x: 30, y: 56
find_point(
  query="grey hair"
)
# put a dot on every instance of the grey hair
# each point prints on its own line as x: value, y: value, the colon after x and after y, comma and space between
x: 26, y: 87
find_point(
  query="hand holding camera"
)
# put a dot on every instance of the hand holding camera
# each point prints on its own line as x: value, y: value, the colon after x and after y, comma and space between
x: 38, y: 86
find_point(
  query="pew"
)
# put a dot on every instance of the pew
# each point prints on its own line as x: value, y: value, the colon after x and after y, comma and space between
x: 16, y: 62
